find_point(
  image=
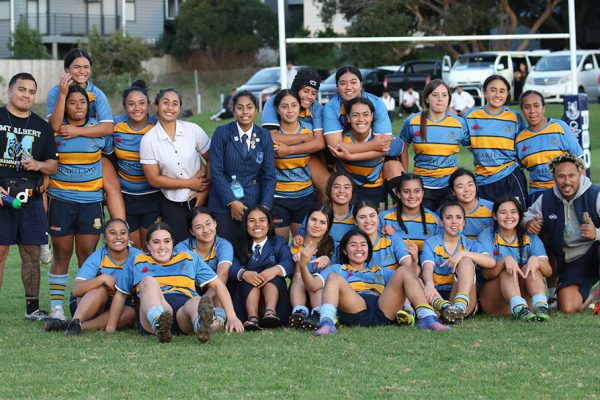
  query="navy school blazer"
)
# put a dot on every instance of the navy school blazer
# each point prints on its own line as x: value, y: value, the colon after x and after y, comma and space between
x: 255, y: 171
x: 276, y: 251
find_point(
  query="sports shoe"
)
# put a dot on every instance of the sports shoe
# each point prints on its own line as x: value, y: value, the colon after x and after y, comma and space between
x: 163, y: 327
x: 596, y: 309
x: 56, y: 325
x: 327, y: 327
x: 541, y: 313
x: 405, y: 318
x: 552, y: 303
x: 57, y: 312
x: 206, y: 311
x: 45, y: 254
x: 522, y: 313
x: 431, y: 323
x: 452, y: 315
x: 218, y: 323
x: 312, y: 323
x: 74, y: 328
x: 297, y: 319
x: 38, y: 315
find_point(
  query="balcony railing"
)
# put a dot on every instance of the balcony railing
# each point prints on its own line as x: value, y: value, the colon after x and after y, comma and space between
x: 59, y: 24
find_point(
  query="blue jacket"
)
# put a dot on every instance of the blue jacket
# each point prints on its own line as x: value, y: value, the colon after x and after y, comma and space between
x: 276, y: 251
x: 255, y: 171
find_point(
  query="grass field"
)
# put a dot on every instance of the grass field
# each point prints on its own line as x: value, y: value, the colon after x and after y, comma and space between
x: 483, y: 358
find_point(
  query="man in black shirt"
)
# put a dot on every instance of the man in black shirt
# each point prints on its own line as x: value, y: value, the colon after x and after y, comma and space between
x: 27, y: 154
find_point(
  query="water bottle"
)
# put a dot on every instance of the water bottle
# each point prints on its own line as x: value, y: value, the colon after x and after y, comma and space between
x: 9, y: 201
x: 236, y: 188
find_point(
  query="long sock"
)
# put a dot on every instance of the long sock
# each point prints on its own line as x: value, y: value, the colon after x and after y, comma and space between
x: 462, y: 301
x: 439, y: 304
x: 153, y: 314
x: 538, y: 300
x: 515, y: 302
x: 57, y: 284
x: 316, y: 309
x: 424, y: 310
x: 302, y: 308
x: 197, y: 324
x: 32, y: 304
x: 328, y: 311
x: 220, y: 312
x: 551, y: 292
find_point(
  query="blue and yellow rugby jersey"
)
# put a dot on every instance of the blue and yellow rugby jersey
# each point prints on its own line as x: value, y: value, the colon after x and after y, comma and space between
x: 535, y: 149
x: 79, y: 175
x: 292, y: 172
x: 493, y: 142
x: 478, y: 219
x: 178, y: 275
x: 371, y: 280
x: 366, y: 173
x: 98, y: 103
x: 312, y: 115
x: 435, y: 160
x: 414, y: 225
x: 220, y: 252
x: 126, y: 142
x: 100, y: 262
x: 336, y: 120
x: 311, y: 267
x: 496, y: 245
x: 339, y: 227
x: 388, y: 252
x: 434, y: 252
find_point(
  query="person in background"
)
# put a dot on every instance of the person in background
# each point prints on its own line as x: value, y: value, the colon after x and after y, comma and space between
x: 291, y: 74
x: 226, y: 107
x: 461, y: 101
x: 409, y: 103
x: 390, y: 104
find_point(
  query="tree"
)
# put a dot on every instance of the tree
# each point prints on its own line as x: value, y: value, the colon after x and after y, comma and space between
x: 223, y: 30
x: 27, y: 43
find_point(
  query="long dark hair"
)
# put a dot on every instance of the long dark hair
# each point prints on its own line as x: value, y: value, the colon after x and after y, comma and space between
x: 326, y: 245
x: 243, y: 250
x: 331, y: 180
x: 520, y: 227
x: 344, y: 242
x: 399, y: 183
x: 429, y: 88
x: 363, y: 204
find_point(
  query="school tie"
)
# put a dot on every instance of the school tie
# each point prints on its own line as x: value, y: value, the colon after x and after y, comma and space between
x: 256, y: 254
x: 245, y: 144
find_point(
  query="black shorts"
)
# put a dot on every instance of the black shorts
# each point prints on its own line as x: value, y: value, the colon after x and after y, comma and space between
x: 372, y: 316
x: 582, y: 271
x: 514, y: 184
x: 176, y: 301
x: 27, y: 225
x: 376, y: 196
x: 434, y: 198
x: 66, y: 218
x: 142, y: 210
x: 287, y: 211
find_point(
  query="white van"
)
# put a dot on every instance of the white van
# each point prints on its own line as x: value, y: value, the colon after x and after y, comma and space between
x: 471, y: 70
x: 551, y: 76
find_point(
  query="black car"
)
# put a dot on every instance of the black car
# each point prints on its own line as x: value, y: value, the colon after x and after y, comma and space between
x: 372, y: 82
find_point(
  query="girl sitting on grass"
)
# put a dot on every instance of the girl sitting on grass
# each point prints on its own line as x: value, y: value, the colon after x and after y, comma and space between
x: 521, y: 266
x: 448, y: 263
x: 165, y: 282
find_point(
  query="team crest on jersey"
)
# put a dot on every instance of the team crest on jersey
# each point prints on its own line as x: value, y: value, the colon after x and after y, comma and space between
x: 97, y: 223
x: 451, y: 135
x: 554, y: 142
x: 508, y: 130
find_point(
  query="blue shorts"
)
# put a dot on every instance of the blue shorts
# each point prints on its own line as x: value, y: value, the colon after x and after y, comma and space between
x: 582, y: 272
x: 372, y: 316
x: 66, y: 218
x: 288, y: 211
x: 142, y: 210
x: 176, y: 301
x: 514, y: 184
x: 27, y: 225
x: 73, y: 303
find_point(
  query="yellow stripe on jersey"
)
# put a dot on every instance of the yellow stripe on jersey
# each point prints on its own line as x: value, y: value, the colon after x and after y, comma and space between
x: 360, y: 286
x: 492, y: 142
x: 443, y: 279
x: 89, y: 186
x: 435, y: 173
x: 107, y: 263
x: 383, y: 243
x: 292, y: 186
x: 79, y: 158
x: 487, y: 171
x: 540, y: 158
x: 435, y: 149
x: 127, y: 155
x: 291, y: 163
x: 176, y: 280
x: 123, y: 127
x: 131, y: 178
x: 502, y: 242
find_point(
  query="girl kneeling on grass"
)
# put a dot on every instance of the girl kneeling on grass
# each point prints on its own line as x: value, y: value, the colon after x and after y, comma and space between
x: 214, y: 251
x: 521, y: 266
x: 448, y: 263
x: 261, y: 264
x: 165, y: 283
x: 94, y: 285
x: 318, y: 224
x: 364, y: 296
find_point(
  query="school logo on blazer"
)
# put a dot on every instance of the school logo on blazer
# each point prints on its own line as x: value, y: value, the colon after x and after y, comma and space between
x: 259, y: 157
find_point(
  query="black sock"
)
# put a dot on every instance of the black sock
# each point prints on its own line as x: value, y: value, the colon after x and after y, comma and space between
x: 32, y: 304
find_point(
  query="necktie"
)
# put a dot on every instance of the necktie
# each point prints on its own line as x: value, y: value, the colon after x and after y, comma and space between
x: 245, y: 144
x: 256, y: 254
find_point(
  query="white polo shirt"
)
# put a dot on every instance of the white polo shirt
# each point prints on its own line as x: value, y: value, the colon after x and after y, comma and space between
x: 180, y: 158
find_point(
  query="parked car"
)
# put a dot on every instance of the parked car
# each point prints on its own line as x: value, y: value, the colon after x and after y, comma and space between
x: 417, y: 74
x: 265, y: 82
x: 372, y: 82
x: 551, y: 76
x: 471, y: 70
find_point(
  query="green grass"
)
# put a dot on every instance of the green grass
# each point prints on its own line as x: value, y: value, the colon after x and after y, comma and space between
x: 484, y: 358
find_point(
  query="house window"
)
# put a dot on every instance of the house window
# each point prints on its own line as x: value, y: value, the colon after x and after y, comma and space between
x: 4, y: 10
x: 171, y: 9
x: 130, y: 10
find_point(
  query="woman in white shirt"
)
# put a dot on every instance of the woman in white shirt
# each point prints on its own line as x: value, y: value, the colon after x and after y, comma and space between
x: 173, y: 155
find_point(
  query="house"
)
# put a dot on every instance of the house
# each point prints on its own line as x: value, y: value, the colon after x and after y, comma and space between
x: 64, y: 23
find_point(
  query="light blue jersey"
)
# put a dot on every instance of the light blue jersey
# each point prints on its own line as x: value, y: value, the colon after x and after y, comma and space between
x: 220, y: 252
x: 336, y: 120
x: 371, y: 280
x: 99, y: 107
x: 496, y: 245
x: 415, y: 231
x: 388, y: 252
x: 100, y: 263
x: 312, y: 116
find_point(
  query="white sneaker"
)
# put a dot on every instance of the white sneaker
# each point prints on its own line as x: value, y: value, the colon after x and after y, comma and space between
x: 45, y: 254
x: 57, y: 312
